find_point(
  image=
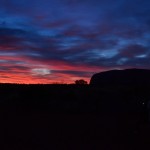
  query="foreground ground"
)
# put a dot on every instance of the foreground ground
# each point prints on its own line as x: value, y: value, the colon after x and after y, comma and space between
x: 74, y: 117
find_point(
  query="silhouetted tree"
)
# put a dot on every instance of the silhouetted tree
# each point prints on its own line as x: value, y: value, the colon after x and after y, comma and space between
x: 81, y: 81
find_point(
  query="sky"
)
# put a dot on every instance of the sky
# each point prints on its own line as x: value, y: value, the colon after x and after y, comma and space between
x: 49, y: 41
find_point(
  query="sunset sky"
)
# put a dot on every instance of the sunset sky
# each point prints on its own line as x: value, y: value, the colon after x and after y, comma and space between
x: 47, y: 41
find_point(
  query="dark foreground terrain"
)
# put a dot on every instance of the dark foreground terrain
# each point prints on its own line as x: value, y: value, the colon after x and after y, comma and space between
x: 74, y: 117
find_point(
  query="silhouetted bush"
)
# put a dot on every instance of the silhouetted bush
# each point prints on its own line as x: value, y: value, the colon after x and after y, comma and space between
x: 81, y: 81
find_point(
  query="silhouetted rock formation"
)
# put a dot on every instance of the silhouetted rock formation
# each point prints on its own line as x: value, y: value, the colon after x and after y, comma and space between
x: 125, y: 77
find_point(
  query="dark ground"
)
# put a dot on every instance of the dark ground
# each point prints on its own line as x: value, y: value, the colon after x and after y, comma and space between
x: 74, y: 117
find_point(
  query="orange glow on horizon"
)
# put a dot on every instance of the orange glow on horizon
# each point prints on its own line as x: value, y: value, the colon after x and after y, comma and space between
x: 55, y: 72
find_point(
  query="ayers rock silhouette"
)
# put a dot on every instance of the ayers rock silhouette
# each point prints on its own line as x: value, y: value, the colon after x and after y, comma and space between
x: 122, y: 77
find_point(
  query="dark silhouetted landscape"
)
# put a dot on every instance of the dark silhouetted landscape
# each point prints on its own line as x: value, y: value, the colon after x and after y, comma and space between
x: 59, y: 89
x: 101, y: 115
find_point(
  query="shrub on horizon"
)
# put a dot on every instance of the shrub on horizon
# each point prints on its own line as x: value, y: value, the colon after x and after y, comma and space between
x: 81, y: 81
